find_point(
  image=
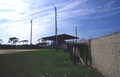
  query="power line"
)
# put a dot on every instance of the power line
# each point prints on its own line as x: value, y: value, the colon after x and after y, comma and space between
x: 95, y: 13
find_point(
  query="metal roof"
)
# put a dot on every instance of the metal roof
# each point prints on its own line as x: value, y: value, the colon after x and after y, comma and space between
x: 60, y: 37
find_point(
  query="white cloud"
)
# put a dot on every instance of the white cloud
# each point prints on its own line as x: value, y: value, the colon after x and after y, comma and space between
x: 70, y: 6
x: 21, y: 28
x: 12, y: 9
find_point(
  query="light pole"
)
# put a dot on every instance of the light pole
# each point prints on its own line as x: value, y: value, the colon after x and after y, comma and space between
x: 31, y: 33
x: 56, y: 27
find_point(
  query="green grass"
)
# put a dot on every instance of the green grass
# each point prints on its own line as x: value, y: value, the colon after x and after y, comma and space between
x: 44, y: 63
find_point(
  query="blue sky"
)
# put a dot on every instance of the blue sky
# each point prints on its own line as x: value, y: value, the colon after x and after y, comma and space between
x: 15, y: 16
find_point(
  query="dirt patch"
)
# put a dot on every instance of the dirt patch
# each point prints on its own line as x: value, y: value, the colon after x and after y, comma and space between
x: 5, y: 51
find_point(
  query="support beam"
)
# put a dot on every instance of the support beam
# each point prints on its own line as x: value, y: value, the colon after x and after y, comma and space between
x: 81, y: 59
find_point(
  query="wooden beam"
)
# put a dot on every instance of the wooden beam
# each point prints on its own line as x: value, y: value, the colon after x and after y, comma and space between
x: 71, y: 52
x: 81, y: 59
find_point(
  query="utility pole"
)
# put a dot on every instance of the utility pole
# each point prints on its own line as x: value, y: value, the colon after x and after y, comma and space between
x: 76, y: 33
x: 56, y: 27
x: 31, y: 33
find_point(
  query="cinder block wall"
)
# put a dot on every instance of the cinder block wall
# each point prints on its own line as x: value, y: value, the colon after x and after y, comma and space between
x: 105, y: 52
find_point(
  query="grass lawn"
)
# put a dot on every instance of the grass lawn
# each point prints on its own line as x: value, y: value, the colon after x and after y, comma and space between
x: 44, y: 63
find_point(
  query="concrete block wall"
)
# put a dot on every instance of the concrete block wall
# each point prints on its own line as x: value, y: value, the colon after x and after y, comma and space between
x: 105, y: 52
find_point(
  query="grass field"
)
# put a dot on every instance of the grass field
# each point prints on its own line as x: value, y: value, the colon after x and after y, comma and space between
x: 44, y: 63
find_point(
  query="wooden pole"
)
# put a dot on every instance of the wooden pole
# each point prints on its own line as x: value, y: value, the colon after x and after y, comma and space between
x: 71, y: 53
x: 74, y: 55
x: 76, y: 33
x: 90, y: 52
x: 86, y: 55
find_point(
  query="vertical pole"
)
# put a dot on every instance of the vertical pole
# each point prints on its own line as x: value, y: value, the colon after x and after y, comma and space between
x: 56, y: 27
x: 90, y: 52
x: 74, y: 55
x: 86, y: 55
x: 31, y: 33
x: 76, y: 34
x: 71, y: 53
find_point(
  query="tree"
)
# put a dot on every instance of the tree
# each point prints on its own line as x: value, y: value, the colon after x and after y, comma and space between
x: 13, y: 40
x: 23, y: 41
x: 42, y: 40
x: 82, y: 39
x: 1, y: 41
x: 39, y: 40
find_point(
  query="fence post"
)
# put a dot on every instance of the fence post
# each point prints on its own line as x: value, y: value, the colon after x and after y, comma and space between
x: 89, y: 46
x: 86, y: 55
x: 71, y: 53
x: 74, y: 55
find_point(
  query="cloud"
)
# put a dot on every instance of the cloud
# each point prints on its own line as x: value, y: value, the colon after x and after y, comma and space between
x: 22, y: 29
x: 70, y: 6
x: 16, y: 16
x: 12, y: 9
x: 86, y: 12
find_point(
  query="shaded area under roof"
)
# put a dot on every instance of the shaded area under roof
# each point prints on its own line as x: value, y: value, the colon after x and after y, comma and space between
x: 42, y: 43
x: 60, y: 37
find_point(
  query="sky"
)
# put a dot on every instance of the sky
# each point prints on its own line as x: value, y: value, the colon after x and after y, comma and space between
x: 15, y: 17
